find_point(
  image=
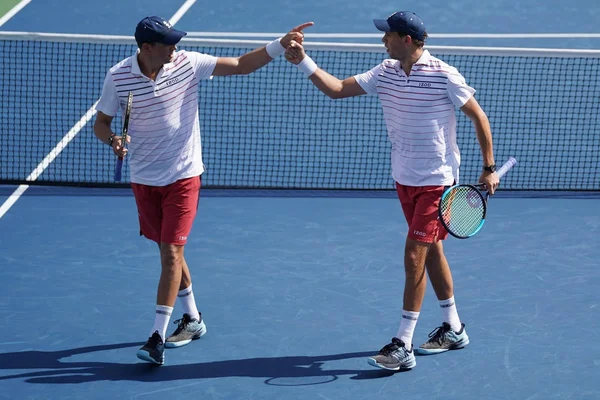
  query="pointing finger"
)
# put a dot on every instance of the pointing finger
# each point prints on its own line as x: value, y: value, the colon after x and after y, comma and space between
x: 303, y: 26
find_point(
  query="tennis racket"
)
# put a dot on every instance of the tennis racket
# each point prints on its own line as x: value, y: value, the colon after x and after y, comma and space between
x: 119, y: 166
x: 463, y: 207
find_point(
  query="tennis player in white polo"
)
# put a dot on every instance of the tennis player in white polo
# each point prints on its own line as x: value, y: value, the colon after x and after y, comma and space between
x: 418, y: 94
x: 165, y: 156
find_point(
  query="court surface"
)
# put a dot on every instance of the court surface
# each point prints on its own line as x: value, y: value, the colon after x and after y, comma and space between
x: 296, y: 288
x: 296, y: 293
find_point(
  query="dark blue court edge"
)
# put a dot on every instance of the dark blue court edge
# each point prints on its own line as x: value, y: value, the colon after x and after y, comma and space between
x: 125, y: 190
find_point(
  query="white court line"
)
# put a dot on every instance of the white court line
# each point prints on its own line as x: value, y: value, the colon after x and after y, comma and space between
x: 13, y: 11
x: 431, y: 36
x: 515, y: 35
x: 12, y: 199
x: 182, y: 10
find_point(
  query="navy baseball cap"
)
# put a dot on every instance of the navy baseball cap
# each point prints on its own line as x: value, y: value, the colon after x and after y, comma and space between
x: 404, y: 22
x: 157, y: 30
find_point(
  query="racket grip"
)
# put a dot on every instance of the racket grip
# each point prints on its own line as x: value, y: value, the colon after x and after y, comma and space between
x: 118, y: 169
x: 507, y: 165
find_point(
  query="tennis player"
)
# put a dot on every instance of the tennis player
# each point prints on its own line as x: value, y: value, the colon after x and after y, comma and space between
x: 418, y: 94
x: 165, y: 157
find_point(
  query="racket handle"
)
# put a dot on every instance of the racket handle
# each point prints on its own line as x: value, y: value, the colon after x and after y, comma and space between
x: 507, y: 165
x: 118, y: 169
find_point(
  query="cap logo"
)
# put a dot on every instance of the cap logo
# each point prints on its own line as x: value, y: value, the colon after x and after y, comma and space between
x: 167, y: 24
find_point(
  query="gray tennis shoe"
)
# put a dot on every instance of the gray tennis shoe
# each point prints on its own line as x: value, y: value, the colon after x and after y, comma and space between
x: 394, y: 357
x: 443, y: 338
x: 188, y: 329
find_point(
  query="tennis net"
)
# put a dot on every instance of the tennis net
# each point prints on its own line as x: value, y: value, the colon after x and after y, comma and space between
x: 274, y: 129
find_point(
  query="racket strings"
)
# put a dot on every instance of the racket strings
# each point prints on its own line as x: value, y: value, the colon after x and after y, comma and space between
x: 463, y: 211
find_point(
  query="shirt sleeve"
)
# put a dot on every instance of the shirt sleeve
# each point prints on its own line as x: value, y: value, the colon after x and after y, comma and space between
x: 109, y: 101
x: 203, y: 64
x: 368, y: 80
x: 458, y: 90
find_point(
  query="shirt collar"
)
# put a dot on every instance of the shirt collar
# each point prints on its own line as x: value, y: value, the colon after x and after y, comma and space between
x: 135, y: 66
x: 424, y: 59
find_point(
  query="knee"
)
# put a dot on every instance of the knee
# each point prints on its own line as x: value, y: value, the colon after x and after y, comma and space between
x: 435, y: 254
x: 414, y: 258
x: 414, y: 265
x: 171, y: 255
x: 411, y: 259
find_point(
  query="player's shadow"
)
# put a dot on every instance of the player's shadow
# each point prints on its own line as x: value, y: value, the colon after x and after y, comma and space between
x: 290, y: 370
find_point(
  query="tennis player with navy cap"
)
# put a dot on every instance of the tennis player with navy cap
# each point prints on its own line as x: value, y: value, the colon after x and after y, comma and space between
x: 405, y: 22
x: 418, y: 93
x: 157, y: 30
x: 165, y: 155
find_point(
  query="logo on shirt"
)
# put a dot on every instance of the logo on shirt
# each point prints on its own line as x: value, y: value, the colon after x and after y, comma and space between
x: 424, y: 84
x: 172, y: 81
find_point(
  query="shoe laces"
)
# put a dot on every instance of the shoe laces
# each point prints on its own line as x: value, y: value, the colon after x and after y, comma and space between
x: 391, y: 347
x: 439, y: 333
x: 154, y: 340
x: 181, y: 324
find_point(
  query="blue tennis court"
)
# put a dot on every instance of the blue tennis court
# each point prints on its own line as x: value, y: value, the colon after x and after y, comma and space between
x: 296, y: 292
x: 297, y: 287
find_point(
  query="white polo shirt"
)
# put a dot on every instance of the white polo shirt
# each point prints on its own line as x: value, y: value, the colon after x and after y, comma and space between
x: 164, y: 125
x: 419, y: 112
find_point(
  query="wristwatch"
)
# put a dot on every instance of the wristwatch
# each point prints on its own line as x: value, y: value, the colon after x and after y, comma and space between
x: 490, y: 168
x: 110, y: 139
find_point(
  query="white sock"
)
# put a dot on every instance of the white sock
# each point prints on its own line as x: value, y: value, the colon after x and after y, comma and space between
x: 407, y: 327
x: 450, y: 314
x: 161, y: 321
x: 186, y: 296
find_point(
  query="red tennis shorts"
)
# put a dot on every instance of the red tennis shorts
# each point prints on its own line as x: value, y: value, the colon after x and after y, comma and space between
x: 167, y: 213
x: 420, y: 206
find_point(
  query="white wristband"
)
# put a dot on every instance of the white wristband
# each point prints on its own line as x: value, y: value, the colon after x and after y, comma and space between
x: 308, y: 66
x: 275, y: 49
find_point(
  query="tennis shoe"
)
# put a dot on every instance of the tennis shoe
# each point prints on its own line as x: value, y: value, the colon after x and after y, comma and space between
x: 394, y: 357
x: 443, y: 338
x: 154, y: 350
x: 188, y: 329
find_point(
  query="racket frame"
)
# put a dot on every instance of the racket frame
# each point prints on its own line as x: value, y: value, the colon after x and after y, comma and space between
x: 124, y: 131
x: 476, y: 189
x: 479, y: 189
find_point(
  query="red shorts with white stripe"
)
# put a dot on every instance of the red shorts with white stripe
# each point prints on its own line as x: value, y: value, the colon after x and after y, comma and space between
x: 420, y: 206
x: 167, y: 213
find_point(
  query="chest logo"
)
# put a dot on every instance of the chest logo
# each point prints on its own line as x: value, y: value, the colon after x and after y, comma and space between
x: 171, y: 82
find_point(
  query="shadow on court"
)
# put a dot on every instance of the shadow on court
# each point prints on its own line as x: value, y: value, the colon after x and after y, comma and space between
x: 285, y: 371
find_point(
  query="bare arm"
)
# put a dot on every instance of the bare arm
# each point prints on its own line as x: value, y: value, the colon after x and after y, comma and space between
x: 102, y: 128
x: 473, y: 110
x: 334, y: 87
x: 243, y: 65
x: 257, y: 58
x: 324, y: 81
x: 103, y: 131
